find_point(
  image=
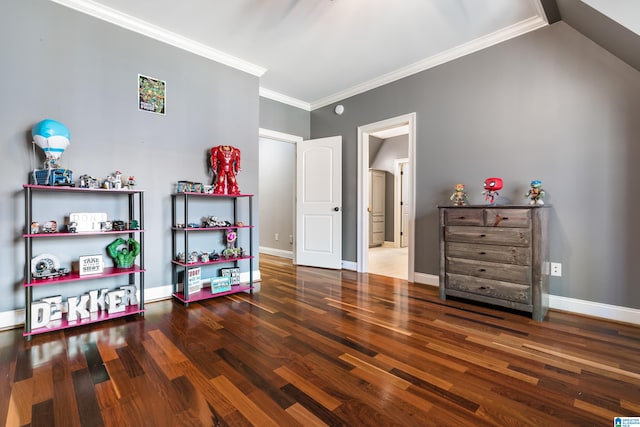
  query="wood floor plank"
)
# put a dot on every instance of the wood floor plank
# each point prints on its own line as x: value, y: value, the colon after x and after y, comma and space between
x: 242, y: 403
x: 304, y: 417
x: 309, y: 388
x: 314, y: 347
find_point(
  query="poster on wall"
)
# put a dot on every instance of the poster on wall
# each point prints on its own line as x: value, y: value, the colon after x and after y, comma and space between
x: 152, y: 94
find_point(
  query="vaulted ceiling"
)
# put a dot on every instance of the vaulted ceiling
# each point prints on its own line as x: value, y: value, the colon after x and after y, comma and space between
x: 310, y: 53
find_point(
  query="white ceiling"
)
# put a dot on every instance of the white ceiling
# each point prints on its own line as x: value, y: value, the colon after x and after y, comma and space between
x: 311, y: 53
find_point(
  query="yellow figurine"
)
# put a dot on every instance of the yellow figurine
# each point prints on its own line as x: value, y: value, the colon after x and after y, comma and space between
x: 459, y: 196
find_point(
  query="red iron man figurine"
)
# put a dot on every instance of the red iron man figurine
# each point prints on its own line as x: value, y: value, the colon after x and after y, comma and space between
x: 225, y: 162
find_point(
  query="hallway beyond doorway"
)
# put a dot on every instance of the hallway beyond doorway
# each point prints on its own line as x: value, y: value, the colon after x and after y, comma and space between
x: 387, y: 261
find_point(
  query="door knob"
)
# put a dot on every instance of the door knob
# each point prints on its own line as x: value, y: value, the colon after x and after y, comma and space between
x: 337, y: 209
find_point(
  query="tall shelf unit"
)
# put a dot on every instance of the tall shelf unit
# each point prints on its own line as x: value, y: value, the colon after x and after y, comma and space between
x: 182, y: 229
x: 135, y: 200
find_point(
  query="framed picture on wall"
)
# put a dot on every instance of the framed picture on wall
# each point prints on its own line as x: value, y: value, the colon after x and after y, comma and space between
x: 152, y: 95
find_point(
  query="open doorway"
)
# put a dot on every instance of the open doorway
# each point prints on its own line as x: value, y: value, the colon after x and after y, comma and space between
x: 276, y: 204
x: 395, y: 255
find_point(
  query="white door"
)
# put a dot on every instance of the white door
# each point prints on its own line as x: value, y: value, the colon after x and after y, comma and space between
x: 319, y: 202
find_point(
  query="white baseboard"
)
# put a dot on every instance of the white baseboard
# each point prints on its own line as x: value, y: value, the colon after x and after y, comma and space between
x: 571, y: 305
x: 15, y: 318
x: 276, y: 252
x: 426, y: 279
x: 595, y: 309
x: 349, y: 265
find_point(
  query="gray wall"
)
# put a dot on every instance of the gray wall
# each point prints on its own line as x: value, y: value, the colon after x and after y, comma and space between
x: 277, y: 172
x: 549, y: 105
x: 284, y: 118
x: 61, y: 64
x: 276, y: 188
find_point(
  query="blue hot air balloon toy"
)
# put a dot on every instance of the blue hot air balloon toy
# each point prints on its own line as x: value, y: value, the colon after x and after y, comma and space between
x: 53, y: 138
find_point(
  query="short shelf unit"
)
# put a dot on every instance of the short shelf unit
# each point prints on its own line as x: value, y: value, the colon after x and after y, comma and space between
x: 183, y: 233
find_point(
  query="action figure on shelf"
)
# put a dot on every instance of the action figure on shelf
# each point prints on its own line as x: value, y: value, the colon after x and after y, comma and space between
x: 125, y: 256
x: 459, y: 196
x: 535, y: 193
x: 491, y: 187
x: 225, y: 163
x: 231, y: 251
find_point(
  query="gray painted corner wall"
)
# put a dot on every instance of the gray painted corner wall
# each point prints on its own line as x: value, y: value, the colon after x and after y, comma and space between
x: 58, y: 63
x: 549, y: 105
x: 276, y: 187
x: 284, y: 118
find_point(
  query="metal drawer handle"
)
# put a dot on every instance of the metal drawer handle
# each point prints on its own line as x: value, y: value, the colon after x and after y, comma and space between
x: 505, y: 218
x: 461, y: 217
x: 482, y: 253
x: 482, y: 270
x: 483, y: 235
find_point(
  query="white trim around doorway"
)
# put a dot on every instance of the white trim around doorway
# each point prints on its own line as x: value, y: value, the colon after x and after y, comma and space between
x: 363, y: 188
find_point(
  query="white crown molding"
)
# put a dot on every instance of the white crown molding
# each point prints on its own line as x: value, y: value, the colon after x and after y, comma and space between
x: 139, y: 26
x: 476, y: 45
x: 278, y: 136
x: 276, y: 96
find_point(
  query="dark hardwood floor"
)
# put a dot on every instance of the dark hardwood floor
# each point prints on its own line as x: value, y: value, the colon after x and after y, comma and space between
x: 319, y: 347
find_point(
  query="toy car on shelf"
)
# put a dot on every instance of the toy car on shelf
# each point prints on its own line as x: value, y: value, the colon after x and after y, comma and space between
x: 50, y: 273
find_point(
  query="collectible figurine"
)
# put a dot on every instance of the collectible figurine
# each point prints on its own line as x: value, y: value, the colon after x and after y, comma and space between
x: 491, y: 187
x: 459, y: 196
x: 124, y: 257
x: 225, y: 162
x: 50, y: 227
x: 535, y: 193
x: 53, y: 137
x: 231, y: 251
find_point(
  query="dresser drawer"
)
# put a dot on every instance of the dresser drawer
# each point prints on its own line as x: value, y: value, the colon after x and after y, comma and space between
x: 462, y: 216
x: 490, y: 270
x: 490, y: 288
x: 507, y: 218
x: 493, y: 253
x: 490, y: 235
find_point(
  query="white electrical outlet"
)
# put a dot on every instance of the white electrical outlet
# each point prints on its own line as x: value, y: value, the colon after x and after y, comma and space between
x: 556, y: 269
x: 277, y: 237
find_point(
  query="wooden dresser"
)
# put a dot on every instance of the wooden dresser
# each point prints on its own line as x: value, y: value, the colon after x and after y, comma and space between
x: 496, y: 255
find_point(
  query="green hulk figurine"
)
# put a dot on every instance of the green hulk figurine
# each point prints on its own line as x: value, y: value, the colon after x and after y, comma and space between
x: 124, y: 257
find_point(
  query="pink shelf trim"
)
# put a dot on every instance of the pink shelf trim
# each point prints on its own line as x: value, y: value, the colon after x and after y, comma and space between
x: 90, y: 190
x: 84, y: 233
x: 190, y: 193
x: 218, y: 261
x: 75, y: 276
x: 205, y: 293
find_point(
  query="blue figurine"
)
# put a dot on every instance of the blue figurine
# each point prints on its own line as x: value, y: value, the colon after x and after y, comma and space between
x: 535, y: 193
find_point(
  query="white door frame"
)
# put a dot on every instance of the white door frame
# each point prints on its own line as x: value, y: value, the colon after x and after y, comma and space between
x: 363, y: 188
x: 397, y: 210
x: 292, y: 139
